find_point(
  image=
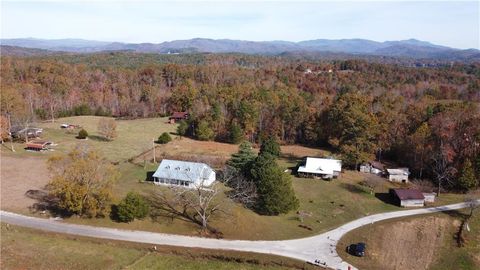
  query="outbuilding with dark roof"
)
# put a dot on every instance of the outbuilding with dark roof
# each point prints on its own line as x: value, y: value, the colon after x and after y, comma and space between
x: 408, y: 197
x: 178, y: 116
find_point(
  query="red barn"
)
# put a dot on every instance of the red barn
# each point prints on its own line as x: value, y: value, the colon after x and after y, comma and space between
x: 38, y: 145
x: 178, y: 116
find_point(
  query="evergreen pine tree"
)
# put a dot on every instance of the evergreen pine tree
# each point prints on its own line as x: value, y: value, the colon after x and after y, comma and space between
x: 243, y: 159
x: 274, y: 187
x: 133, y: 206
x: 182, y: 128
x: 236, y: 133
x: 204, y: 132
x: 270, y: 146
x: 467, y: 179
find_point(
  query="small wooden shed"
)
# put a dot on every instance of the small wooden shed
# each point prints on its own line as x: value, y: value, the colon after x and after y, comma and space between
x: 177, y: 116
x: 37, y: 145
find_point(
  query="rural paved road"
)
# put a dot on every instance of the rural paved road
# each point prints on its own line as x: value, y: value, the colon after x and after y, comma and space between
x: 321, y: 247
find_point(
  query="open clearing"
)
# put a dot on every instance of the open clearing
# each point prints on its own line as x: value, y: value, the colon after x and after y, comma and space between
x: 24, y: 248
x: 327, y: 204
x: 134, y: 136
x: 416, y: 243
x: 17, y: 176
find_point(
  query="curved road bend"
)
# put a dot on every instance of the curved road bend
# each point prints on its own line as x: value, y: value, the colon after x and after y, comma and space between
x: 321, y: 247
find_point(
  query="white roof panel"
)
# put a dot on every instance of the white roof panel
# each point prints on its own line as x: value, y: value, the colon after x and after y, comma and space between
x: 321, y: 166
x: 400, y: 171
x: 183, y: 170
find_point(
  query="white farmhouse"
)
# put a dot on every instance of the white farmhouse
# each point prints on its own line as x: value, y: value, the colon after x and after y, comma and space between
x: 320, y: 168
x: 398, y: 175
x: 183, y: 173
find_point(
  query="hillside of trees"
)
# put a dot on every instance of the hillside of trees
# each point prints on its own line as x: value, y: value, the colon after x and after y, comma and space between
x: 426, y: 118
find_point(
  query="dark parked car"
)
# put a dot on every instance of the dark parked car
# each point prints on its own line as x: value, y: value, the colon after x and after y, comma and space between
x: 357, y: 249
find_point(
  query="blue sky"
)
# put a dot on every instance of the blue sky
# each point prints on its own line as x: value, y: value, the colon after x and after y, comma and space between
x: 450, y: 23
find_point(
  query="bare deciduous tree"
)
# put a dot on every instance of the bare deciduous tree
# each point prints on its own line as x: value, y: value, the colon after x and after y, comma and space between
x: 243, y: 191
x: 442, y: 169
x: 4, y: 128
x: 473, y: 202
x: 107, y: 127
x: 196, y: 203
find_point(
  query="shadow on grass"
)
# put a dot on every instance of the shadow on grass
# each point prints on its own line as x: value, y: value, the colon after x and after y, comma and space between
x: 293, y: 159
x: 456, y: 214
x: 114, y: 213
x: 149, y: 176
x: 45, y: 202
x: 386, y: 198
x: 164, y: 207
x: 352, y: 188
x: 98, y: 138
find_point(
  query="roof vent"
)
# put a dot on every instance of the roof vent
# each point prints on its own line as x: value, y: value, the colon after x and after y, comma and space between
x: 167, y: 167
x: 177, y: 168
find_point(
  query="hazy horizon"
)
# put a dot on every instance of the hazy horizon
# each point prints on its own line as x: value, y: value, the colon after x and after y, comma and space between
x: 160, y: 21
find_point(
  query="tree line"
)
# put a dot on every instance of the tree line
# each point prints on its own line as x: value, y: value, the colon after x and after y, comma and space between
x: 424, y: 118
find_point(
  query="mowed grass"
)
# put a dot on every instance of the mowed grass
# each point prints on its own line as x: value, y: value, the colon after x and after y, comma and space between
x: 24, y: 248
x: 327, y: 204
x: 447, y: 255
x: 324, y: 204
x: 134, y: 136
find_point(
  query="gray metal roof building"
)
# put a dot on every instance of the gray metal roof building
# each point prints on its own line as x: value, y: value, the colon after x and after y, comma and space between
x: 184, y: 173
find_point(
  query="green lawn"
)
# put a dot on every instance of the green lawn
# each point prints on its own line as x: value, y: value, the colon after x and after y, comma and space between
x: 134, y: 136
x: 327, y: 204
x: 24, y: 248
x: 330, y: 204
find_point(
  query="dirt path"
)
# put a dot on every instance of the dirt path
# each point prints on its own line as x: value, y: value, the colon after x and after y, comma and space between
x: 17, y: 176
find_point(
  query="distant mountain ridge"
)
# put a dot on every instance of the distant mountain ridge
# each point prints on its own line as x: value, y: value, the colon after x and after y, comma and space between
x: 411, y: 48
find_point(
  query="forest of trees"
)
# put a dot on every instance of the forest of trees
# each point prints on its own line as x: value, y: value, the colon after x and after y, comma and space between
x: 425, y: 118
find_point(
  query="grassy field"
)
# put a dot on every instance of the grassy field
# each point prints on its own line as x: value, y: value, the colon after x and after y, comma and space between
x: 424, y: 242
x: 23, y: 248
x: 327, y: 204
x: 134, y: 136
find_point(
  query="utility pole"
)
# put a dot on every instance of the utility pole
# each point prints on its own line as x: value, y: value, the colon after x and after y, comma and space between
x: 154, y: 158
x: 10, y: 131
